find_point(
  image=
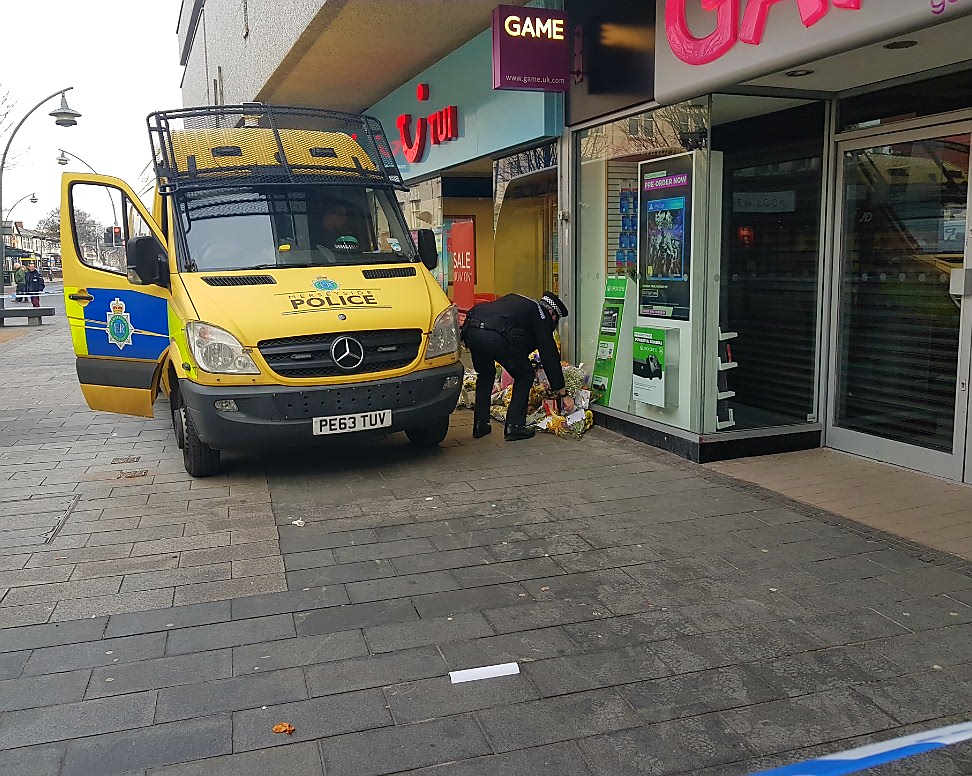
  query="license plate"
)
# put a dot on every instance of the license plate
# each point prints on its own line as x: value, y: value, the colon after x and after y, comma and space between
x: 345, y: 424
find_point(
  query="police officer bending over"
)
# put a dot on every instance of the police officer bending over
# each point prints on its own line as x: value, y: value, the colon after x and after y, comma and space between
x: 507, y: 331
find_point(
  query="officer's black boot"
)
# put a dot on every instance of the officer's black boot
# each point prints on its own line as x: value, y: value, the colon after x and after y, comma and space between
x: 481, y: 429
x: 516, y: 433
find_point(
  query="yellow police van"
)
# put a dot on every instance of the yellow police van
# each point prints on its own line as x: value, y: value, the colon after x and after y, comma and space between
x: 270, y: 290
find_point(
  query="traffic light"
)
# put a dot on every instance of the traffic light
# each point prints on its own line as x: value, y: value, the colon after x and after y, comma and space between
x: 113, y: 236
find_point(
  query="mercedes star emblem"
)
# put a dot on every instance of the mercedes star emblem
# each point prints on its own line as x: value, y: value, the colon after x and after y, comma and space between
x: 347, y: 353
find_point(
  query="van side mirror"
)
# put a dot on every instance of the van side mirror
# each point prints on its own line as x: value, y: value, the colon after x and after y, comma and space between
x: 427, y: 249
x: 144, y: 261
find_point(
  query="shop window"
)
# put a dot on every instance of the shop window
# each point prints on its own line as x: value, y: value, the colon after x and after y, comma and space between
x: 909, y: 101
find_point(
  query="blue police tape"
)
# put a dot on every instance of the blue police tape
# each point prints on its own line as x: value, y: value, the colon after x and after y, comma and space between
x: 862, y: 758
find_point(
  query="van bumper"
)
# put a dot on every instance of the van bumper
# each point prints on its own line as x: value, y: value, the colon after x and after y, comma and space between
x: 277, y: 415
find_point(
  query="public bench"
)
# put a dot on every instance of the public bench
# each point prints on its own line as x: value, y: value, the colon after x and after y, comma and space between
x: 34, y: 315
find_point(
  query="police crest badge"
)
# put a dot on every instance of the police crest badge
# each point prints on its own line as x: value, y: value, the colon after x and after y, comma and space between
x: 119, y: 324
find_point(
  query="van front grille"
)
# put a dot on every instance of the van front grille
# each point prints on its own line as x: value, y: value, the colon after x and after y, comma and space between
x: 310, y: 356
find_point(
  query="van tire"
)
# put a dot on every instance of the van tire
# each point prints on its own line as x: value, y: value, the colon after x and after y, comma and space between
x: 200, y: 459
x: 431, y: 435
x: 178, y: 422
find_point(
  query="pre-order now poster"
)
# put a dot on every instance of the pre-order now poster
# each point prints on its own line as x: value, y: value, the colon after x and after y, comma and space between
x: 665, y: 237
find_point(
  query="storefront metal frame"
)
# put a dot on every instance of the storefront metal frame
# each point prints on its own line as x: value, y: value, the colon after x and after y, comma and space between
x: 954, y: 465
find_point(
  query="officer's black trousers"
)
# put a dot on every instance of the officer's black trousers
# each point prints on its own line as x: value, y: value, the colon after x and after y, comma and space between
x: 487, y: 348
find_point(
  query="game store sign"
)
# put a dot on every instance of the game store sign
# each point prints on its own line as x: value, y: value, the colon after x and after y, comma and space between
x: 704, y: 45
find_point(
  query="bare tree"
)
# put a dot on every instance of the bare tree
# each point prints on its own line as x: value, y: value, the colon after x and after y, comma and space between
x: 90, y: 230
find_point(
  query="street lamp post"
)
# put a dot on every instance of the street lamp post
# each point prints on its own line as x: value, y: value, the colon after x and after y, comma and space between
x: 63, y: 160
x: 64, y: 116
x: 33, y: 199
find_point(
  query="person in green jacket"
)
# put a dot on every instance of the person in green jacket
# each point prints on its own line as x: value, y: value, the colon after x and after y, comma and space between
x: 20, y: 280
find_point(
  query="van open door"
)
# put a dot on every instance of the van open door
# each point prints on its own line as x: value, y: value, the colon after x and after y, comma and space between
x: 119, y: 326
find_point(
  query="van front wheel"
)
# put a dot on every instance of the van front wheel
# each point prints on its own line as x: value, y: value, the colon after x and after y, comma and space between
x: 431, y: 435
x: 200, y: 459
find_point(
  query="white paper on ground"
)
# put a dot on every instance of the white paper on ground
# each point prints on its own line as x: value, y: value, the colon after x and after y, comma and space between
x: 575, y: 417
x: 486, y: 672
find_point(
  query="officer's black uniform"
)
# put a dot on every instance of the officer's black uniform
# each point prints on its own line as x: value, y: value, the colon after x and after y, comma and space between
x: 507, y: 331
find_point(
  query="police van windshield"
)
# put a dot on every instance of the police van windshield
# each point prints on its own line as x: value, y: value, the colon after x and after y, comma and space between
x: 263, y: 228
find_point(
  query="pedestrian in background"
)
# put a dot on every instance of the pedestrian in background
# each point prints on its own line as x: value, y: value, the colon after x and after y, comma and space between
x: 507, y: 331
x: 20, y: 281
x: 35, y: 284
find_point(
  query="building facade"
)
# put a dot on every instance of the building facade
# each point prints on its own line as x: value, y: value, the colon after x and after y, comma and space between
x: 798, y: 252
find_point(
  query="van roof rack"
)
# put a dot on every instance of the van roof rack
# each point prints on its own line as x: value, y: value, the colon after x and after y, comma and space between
x: 254, y: 144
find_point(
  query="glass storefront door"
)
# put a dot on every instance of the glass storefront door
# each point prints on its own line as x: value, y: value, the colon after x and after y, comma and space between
x: 900, y: 359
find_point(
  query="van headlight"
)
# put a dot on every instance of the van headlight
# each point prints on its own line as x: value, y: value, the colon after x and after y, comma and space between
x: 444, y: 339
x: 218, y: 351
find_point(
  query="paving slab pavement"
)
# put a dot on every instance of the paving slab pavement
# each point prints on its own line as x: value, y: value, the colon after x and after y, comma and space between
x: 666, y: 619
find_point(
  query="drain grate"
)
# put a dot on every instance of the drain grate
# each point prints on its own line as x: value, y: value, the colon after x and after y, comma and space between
x: 127, y: 459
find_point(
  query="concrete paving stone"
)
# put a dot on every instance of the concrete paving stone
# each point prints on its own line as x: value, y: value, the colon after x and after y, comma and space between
x: 443, y: 560
x: 119, y: 754
x: 609, y: 558
x: 436, y: 697
x: 380, y: 550
x: 13, y: 562
x: 561, y: 759
x: 923, y: 696
x: 401, y: 587
x: 464, y: 538
x: 342, y: 618
x: 813, y: 672
x: 12, y: 663
x: 460, y: 627
x: 123, y: 566
x: 175, y: 577
x: 50, y: 690
x: 36, y: 636
x: 74, y: 720
x: 89, y: 654
x: 630, y: 630
x: 392, y: 749
x: 295, y: 760
x: 301, y: 651
x: 137, y: 535
x: 23, y: 616
x: 824, y: 599
x: 314, y: 559
x: 540, y: 548
x: 257, y: 533
x: 512, y: 571
x: 551, y: 720
x: 162, y: 546
x: 258, y: 567
x: 847, y: 627
x: 339, y: 575
x: 35, y: 576
x: 281, y: 602
x: 680, y: 746
x: 40, y: 760
x: 578, y: 673
x: 230, y: 634
x: 240, y: 692
x: 851, y: 567
x: 196, y: 525
x: 229, y: 589
x: 703, y: 692
x: 926, y: 613
x: 920, y: 583
x: 778, y: 726
x: 20, y: 596
x: 190, y: 519
x: 548, y: 613
x: 376, y: 671
x: 895, y: 560
x: 520, y: 648
x: 317, y: 536
x: 168, y: 619
x: 78, y: 525
x: 70, y: 556
x: 123, y: 678
x: 473, y: 599
x: 83, y: 608
x: 228, y: 553
x: 318, y: 718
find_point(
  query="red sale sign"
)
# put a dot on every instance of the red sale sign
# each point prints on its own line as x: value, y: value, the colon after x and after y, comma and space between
x: 461, y: 245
